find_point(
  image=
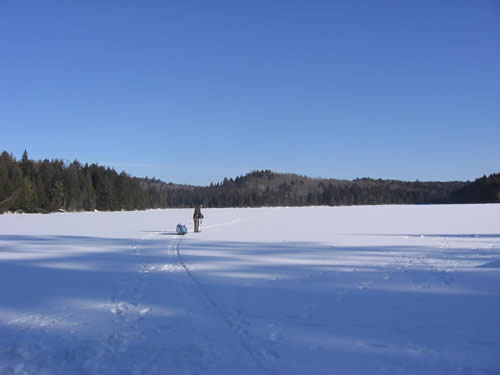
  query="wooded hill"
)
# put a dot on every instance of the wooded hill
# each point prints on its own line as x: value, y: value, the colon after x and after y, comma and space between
x: 266, y: 188
x: 52, y: 185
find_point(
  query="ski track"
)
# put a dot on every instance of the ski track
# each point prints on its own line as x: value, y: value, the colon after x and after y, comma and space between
x: 233, y: 327
x: 127, y: 306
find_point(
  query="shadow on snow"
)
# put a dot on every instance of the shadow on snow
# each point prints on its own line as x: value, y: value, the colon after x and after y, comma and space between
x: 341, y: 303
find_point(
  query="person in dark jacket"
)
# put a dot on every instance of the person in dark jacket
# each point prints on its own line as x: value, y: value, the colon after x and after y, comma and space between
x: 197, y: 216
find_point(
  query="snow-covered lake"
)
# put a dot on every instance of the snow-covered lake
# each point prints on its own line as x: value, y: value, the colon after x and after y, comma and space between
x: 324, y: 290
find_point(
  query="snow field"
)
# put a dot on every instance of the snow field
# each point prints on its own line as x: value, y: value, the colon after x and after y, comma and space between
x: 323, y: 290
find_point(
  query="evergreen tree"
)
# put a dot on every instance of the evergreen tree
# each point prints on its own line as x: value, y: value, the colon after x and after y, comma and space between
x: 47, y: 186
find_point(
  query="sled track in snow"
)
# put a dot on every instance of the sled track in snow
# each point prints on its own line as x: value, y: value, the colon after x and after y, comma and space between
x: 219, y: 310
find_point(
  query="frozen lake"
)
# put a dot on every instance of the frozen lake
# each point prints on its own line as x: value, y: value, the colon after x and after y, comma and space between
x: 317, y: 290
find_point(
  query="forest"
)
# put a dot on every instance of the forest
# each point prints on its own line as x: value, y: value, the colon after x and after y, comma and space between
x: 54, y: 185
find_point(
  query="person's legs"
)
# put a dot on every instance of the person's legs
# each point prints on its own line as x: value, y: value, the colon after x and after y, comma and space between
x: 196, y: 225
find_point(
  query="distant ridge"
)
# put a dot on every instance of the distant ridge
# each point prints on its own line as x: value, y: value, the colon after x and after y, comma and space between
x: 267, y: 188
x: 49, y: 186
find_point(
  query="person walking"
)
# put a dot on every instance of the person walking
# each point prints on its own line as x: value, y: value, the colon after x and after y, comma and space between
x: 197, y: 216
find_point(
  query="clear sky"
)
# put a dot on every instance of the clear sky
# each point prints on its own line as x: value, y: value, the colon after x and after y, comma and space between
x: 193, y: 91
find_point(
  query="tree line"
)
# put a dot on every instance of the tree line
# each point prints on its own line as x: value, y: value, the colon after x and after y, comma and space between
x: 266, y: 188
x: 54, y: 185
x: 485, y: 189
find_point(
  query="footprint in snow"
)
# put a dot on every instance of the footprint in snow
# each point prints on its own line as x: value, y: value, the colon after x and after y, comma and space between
x: 364, y: 285
x: 146, y: 310
x: 270, y: 354
x: 377, y: 345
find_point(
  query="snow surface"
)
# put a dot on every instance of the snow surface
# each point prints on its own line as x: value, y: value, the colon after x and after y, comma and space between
x: 324, y: 290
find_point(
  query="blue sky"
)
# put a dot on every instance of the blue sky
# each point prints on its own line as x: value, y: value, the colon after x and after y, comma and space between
x: 193, y: 91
